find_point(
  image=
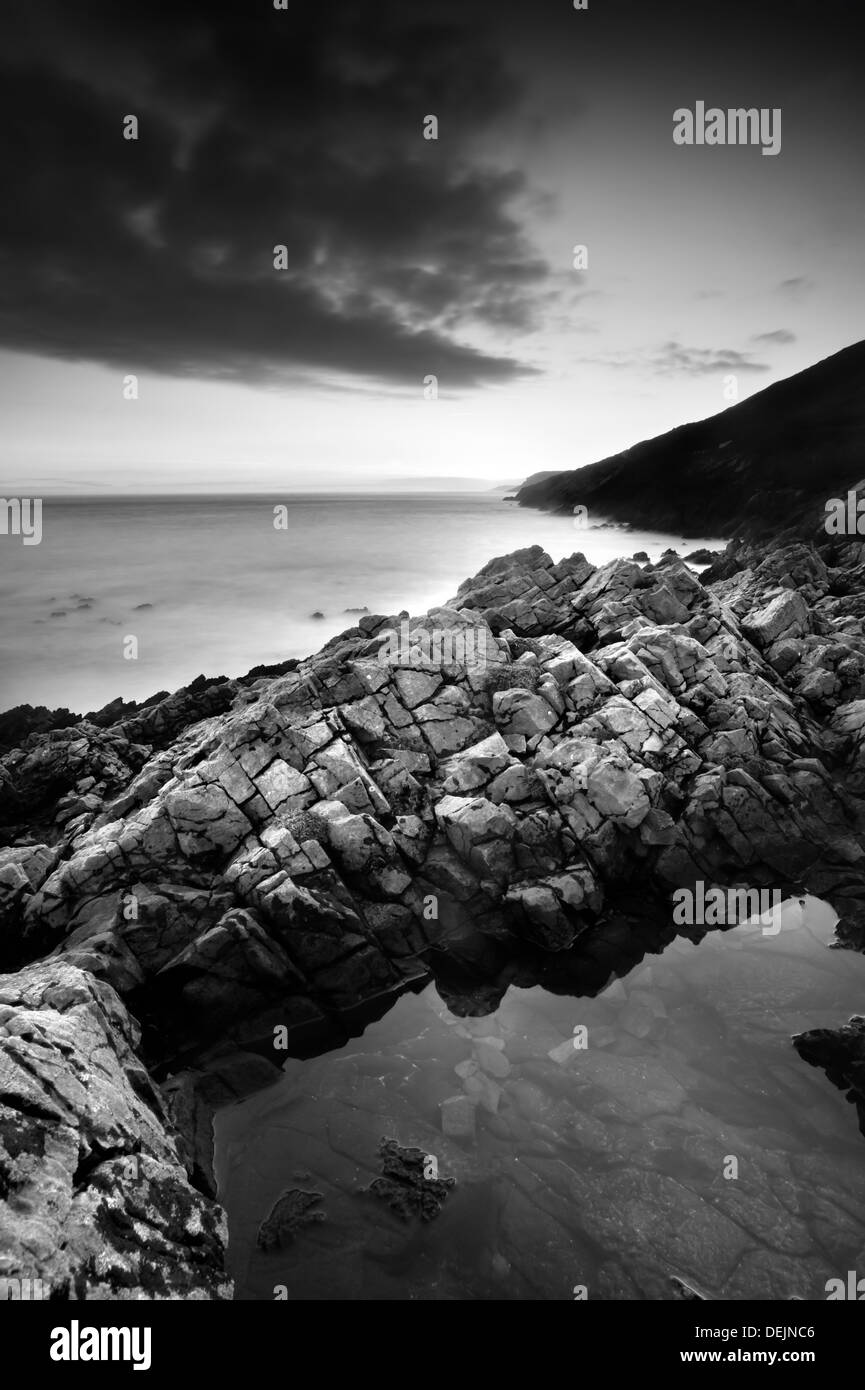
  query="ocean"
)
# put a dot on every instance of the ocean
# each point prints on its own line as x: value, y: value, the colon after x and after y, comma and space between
x: 209, y: 585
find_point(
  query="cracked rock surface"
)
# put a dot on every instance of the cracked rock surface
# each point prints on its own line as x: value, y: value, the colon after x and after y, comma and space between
x: 94, y: 1198
x: 275, y: 852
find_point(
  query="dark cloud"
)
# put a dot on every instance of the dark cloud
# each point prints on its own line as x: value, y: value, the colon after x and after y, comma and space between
x: 259, y: 128
x: 777, y: 335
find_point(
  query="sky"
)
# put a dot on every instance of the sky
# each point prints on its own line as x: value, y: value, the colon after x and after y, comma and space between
x: 711, y: 271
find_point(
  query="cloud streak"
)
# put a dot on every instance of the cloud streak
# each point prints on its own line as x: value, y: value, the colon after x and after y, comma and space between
x: 674, y: 358
x: 779, y: 336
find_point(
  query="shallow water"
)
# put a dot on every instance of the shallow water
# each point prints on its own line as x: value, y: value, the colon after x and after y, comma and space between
x: 602, y: 1167
x: 208, y: 585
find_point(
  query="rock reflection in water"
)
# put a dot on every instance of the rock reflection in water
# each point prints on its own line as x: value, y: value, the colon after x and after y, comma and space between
x: 601, y: 1167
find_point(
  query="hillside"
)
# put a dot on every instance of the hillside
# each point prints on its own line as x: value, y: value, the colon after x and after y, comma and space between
x: 764, y: 466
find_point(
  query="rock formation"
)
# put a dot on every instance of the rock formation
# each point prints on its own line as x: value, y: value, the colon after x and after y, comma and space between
x: 249, y: 867
x: 94, y: 1197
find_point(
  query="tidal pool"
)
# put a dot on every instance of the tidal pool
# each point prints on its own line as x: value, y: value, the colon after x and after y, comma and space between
x: 608, y: 1167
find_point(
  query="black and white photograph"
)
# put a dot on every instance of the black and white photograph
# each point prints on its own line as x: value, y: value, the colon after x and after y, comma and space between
x: 432, y: 667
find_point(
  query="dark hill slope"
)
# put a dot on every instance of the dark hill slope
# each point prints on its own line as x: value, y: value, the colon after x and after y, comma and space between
x: 761, y: 467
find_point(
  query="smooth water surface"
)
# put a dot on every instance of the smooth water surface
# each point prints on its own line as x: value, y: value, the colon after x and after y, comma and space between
x: 209, y: 585
x: 602, y: 1167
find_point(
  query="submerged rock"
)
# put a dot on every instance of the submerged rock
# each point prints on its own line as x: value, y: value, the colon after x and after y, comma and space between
x: 458, y: 1117
x: 293, y: 1209
x: 404, y: 1186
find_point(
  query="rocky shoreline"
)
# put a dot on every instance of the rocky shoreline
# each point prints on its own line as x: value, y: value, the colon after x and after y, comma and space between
x: 194, y: 888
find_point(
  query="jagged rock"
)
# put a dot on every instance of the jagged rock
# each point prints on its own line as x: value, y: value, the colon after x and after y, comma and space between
x: 841, y: 1054
x: 694, y: 557
x: 416, y: 687
x: 278, y: 851
x: 785, y: 616
x: 88, y: 1157
x: 478, y: 765
x: 524, y: 591
x: 551, y: 908
x: 521, y: 712
x: 480, y: 832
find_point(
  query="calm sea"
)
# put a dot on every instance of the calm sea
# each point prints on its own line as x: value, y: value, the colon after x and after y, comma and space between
x: 209, y: 585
